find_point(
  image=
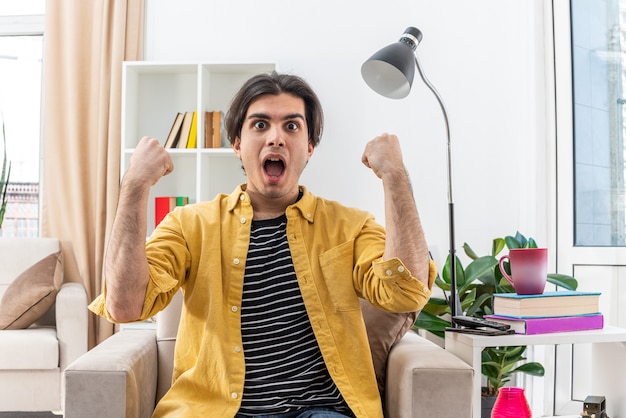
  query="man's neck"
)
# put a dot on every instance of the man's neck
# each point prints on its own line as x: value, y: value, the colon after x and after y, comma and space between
x: 270, y: 208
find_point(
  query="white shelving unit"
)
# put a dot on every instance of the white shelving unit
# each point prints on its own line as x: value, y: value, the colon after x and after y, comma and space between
x: 153, y: 93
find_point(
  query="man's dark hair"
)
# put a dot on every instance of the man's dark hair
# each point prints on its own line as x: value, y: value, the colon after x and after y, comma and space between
x: 274, y: 83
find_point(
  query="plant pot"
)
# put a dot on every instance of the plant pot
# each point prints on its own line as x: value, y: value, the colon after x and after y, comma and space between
x: 486, y: 405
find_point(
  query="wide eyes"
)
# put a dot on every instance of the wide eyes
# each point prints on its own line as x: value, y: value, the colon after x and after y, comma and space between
x: 262, y: 125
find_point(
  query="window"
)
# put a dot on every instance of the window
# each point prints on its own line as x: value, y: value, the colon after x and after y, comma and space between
x: 598, y: 42
x: 589, y: 163
x: 21, y: 52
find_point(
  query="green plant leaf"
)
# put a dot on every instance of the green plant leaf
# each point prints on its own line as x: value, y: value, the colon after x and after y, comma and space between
x: 437, y: 301
x: 497, y: 245
x: 509, y: 351
x: 4, y: 176
x: 478, y: 304
x: 480, y: 267
x: 521, y: 239
x: 436, y: 306
x: 467, y: 299
x: 460, y: 272
x: 531, y: 243
x: 531, y: 368
x: 564, y: 281
x: 504, y: 286
x: 469, y: 252
x: 512, y: 242
x: 490, y: 368
x: 432, y: 323
x: 441, y: 284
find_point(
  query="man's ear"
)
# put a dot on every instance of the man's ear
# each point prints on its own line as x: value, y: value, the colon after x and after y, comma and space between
x: 237, y: 147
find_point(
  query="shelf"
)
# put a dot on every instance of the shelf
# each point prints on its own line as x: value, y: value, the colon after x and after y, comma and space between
x: 153, y: 94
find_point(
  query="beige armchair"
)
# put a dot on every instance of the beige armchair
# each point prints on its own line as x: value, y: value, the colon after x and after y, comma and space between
x: 43, y: 324
x: 126, y: 374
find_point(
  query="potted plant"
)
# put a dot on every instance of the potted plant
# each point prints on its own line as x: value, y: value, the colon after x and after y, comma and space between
x: 4, y: 178
x: 476, y: 283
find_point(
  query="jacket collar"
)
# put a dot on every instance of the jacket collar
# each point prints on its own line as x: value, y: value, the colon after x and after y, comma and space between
x: 305, y: 206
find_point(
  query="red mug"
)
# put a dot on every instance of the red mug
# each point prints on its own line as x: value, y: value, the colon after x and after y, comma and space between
x: 529, y: 270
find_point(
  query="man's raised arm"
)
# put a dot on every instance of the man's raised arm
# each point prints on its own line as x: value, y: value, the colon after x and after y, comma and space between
x: 405, y: 237
x: 126, y: 270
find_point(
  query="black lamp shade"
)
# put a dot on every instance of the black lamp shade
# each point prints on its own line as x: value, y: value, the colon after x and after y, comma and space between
x: 389, y: 72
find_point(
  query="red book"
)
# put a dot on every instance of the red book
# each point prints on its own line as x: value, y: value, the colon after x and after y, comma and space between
x: 165, y: 204
x: 546, y: 325
x: 161, y: 208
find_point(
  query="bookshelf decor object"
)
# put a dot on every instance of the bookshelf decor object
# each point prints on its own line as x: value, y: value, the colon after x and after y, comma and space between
x: 389, y: 72
x: 156, y: 96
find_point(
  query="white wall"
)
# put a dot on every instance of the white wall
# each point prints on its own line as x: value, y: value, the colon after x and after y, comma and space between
x: 485, y: 57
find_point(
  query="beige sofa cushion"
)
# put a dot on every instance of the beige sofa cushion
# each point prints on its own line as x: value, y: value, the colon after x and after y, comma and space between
x: 384, y: 329
x: 32, y: 349
x: 32, y: 293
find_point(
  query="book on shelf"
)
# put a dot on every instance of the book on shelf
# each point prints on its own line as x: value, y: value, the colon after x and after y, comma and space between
x: 208, y: 129
x: 165, y: 204
x: 218, y: 128
x: 549, y: 324
x: 213, y: 129
x: 172, y: 137
x: 560, y: 303
x: 193, y: 133
x: 185, y: 129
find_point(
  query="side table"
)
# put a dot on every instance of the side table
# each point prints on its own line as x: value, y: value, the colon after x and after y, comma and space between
x: 468, y: 347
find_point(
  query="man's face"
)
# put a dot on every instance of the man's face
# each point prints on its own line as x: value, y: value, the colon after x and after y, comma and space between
x: 274, y: 146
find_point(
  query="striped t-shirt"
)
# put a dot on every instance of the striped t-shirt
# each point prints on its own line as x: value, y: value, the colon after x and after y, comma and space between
x: 285, y: 370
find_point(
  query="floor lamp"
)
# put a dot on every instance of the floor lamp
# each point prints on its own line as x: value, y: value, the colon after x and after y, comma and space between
x: 389, y: 72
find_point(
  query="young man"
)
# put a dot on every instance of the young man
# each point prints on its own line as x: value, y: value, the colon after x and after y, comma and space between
x: 271, y: 275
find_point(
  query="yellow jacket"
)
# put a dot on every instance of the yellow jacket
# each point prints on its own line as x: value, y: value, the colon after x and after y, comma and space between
x: 337, y: 255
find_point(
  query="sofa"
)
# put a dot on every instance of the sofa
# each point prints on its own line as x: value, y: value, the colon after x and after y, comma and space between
x: 43, y: 324
x: 125, y: 375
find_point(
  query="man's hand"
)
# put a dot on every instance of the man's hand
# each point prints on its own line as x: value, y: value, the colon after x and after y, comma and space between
x: 383, y: 155
x: 149, y: 162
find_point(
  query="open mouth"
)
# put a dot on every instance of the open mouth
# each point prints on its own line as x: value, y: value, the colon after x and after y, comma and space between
x: 274, y: 167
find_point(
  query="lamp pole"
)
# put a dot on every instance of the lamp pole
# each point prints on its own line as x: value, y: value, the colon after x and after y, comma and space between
x: 453, y: 301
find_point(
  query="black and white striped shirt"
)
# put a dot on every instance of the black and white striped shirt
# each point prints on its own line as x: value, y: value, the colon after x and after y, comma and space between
x: 285, y: 370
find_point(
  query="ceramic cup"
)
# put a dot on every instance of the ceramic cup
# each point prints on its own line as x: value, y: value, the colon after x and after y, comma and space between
x: 529, y: 270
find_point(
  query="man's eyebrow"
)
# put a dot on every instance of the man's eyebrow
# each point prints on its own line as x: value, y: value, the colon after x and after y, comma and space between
x: 286, y: 117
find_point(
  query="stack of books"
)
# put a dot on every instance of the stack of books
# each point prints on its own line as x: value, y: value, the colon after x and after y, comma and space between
x: 548, y: 312
x: 183, y: 133
x: 165, y: 204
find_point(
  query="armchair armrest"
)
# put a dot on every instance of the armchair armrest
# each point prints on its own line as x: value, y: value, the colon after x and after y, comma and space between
x: 425, y: 380
x: 116, y: 379
x: 71, y: 322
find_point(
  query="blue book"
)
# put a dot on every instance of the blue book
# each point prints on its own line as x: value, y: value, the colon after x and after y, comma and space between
x: 560, y: 303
